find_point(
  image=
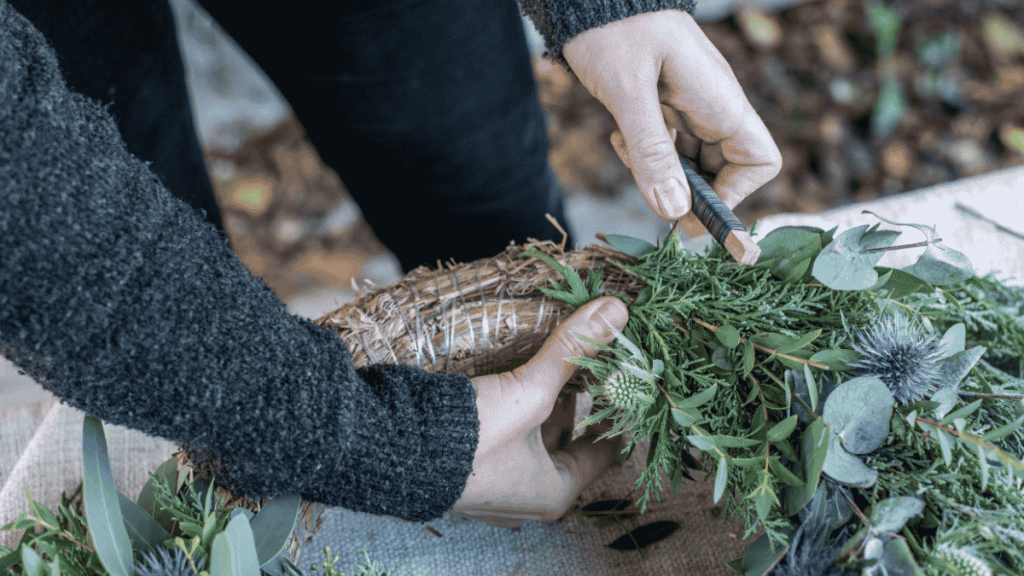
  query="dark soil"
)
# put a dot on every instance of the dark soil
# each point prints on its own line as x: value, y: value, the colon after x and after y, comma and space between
x: 813, y: 72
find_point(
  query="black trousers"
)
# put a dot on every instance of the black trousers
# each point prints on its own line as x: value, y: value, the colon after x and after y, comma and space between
x: 426, y: 109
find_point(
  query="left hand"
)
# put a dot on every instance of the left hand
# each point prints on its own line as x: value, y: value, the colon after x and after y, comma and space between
x: 656, y: 68
x: 518, y: 471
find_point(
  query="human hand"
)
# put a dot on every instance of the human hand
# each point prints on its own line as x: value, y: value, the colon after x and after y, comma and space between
x: 657, y: 71
x: 516, y: 474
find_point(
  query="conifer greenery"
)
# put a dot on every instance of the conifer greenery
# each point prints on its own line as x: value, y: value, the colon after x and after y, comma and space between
x: 863, y: 415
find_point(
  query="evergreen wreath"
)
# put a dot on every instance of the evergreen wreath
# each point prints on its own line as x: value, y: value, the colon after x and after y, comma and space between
x: 867, y: 419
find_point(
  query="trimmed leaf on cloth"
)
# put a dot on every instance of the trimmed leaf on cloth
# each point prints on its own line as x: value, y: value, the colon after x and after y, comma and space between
x: 939, y: 265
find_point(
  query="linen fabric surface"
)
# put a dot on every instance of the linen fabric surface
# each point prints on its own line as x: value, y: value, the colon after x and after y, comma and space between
x: 121, y: 300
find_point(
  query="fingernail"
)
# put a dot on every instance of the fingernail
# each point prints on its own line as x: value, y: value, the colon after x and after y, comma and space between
x: 673, y: 198
x: 613, y: 312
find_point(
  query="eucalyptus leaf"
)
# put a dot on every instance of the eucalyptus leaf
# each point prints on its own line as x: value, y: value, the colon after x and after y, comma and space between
x: 946, y: 398
x: 145, y: 532
x: 785, y: 474
x: 686, y: 417
x: 722, y: 358
x: 102, y: 505
x: 837, y: 359
x: 273, y: 525
x: 720, y: 479
x: 939, y: 265
x: 813, y: 451
x: 783, y: 429
x: 944, y: 446
x: 699, y: 399
x: 789, y: 251
x: 702, y: 443
x: 761, y: 558
x: 942, y: 266
x: 844, y: 265
x: 953, y: 341
x: 892, y: 555
x: 747, y: 361
x: 645, y: 535
x: 902, y: 283
x: 846, y: 468
x: 875, y: 238
x: 797, y: 272
x: 957, y: 366
x: 244, y: 512
x: 828, y: 507
x: 799, y: 342
x: 798, y: 381
x: 891, y: 514
x: 962, y: 412
x: 234, y: 550
x: 802, y: 353
x: 633, y: 246
x: 31, y: 562
x: 164, y: 473
x: 858, y: 412
x: 728, y: 336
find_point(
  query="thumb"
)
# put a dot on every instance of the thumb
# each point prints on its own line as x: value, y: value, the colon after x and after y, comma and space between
x: 647, y: 147
x: 549, y: 368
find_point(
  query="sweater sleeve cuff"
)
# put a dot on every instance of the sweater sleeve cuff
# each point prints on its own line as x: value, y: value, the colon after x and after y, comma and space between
x: 558, y: 21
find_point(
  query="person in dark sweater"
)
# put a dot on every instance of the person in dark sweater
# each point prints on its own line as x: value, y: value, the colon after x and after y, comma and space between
x: 119, y: 294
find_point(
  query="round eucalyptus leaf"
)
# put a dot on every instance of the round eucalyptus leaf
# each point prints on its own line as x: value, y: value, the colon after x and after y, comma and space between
x: 846, y: 468
x: 891, y: 514
x: 845, y: 265
x: 942, y: 266
x: 858, y: 412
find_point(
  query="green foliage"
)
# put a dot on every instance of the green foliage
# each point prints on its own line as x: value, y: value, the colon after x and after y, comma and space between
x: 755, y: 367
x: 118, y: 536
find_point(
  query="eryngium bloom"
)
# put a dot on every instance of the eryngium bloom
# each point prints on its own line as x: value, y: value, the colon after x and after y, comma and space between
x: 166, y: 563
x: 901, y: 356
x: 626, y: 390
x: 811, y: 555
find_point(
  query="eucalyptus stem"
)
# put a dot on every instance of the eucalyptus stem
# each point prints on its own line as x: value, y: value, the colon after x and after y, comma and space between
x: 60, y: 532
x: 1013, y: 462
x: 763, y: 348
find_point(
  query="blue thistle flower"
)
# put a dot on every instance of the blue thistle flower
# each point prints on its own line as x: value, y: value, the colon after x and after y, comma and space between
x: 166, y: 563
x: 811, y: 555
x: 901, y: 356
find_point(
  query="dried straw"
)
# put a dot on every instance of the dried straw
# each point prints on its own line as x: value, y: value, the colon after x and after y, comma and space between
x: 478, y: 318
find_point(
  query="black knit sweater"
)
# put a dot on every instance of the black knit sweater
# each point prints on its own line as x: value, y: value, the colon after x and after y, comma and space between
x: 119, y: 299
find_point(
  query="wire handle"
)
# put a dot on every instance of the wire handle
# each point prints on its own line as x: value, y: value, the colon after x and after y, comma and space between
x: 709, y: 208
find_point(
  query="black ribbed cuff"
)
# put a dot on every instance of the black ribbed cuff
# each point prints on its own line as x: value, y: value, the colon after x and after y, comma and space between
x: 558, y: 21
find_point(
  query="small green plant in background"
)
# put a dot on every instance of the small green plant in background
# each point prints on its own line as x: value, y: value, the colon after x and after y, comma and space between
x: 176, y: 528
x: 891, y: 104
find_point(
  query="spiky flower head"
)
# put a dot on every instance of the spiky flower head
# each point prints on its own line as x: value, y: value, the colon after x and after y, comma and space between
x: 901, y: 356
x: 627, y: 389
x: 166, y: 563
x: 811, y: 554
x: 961, y: 561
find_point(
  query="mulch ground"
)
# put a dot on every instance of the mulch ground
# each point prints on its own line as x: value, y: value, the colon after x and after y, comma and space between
x: 814, y: 72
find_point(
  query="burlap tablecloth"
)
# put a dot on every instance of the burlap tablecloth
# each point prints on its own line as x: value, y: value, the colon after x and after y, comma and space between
x: 44, y: 453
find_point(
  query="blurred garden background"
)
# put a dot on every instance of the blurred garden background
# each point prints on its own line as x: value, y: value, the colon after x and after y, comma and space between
x: 865, y: 99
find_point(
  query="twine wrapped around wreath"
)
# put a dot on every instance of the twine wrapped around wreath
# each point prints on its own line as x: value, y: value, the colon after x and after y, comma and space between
x: 481, y: 317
